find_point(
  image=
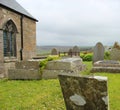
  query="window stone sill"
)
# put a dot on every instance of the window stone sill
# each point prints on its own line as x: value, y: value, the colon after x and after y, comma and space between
x: 10, y: 59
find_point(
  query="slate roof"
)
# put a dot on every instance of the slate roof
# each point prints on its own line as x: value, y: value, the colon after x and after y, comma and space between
x: 16, y: 7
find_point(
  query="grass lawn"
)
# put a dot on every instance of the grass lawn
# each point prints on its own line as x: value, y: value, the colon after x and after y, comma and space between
x: 46, y: 94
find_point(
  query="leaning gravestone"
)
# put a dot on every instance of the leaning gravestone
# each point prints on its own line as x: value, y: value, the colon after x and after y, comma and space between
x: 84, y: 93
x: 98, y: 52
x: 54, y: 52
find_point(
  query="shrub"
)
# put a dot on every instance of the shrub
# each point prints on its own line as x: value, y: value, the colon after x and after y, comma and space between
x: 82, y: 55
x: 107, y: 55
x: 44, y: 62
x: 52, y: 57
x: 86, y: 57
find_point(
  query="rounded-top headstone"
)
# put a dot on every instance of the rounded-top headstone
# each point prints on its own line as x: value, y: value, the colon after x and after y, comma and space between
x: 115, y: 52
x: 54, y: 51
x: 98, y: 52
x: 70, y: 52
x: 76, y: 49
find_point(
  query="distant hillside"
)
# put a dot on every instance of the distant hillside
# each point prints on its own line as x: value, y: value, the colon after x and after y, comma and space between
x: 47, y: 49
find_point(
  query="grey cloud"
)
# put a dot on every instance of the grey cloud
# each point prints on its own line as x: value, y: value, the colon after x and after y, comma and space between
x: 75, y: 22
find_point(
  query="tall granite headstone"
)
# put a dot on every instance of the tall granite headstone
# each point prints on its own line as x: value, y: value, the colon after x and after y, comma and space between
x: 84, y: 93
x: 98, y: 52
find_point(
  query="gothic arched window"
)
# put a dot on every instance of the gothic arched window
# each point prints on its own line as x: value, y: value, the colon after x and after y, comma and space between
x: 9, y: 38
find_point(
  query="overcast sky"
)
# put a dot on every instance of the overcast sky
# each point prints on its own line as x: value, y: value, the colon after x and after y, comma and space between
x: 75, y: 22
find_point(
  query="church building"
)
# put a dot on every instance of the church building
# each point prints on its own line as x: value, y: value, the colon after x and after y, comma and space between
x: 17, y: 35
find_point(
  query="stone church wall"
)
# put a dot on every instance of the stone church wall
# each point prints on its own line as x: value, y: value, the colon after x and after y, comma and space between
x: 29, y: 36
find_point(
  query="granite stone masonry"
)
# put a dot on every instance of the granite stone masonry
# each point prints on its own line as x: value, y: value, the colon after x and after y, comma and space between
x: 27, y: 65
x: 27, y: 70
x: 115, y: 54
x: 98, y: 52
x: 68, y: 65
x: 17, y: 35
x: 54, y: 51
x: 76, y: 51
x: 70, y: 52
x: 111, y: 66
x: 65, y: 64
x: 84, y: 93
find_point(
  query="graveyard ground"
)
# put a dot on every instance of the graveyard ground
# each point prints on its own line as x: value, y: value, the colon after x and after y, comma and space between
x: 46, y: 94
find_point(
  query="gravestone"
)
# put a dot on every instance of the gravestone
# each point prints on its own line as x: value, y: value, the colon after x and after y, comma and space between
x: 84, y: 93
x: 76, y: 51
x: 115, y: 52
x: 98, y: 52
x: 54, y: 51
x: 70, y: 52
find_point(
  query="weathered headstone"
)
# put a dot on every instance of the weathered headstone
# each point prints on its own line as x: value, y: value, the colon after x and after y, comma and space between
x: 115, y: 52
x: 70, y: 52
x: 98, y: 52
x: 84, y: 93
x: 76, y: 51
x: 54, y: 51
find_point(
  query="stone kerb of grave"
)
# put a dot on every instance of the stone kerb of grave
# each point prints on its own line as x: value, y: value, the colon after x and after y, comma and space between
x: 69, y: 65
x: 107, y: 63
x: 106, y: 66
x: 84, y: 93
x: 98, y: 52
